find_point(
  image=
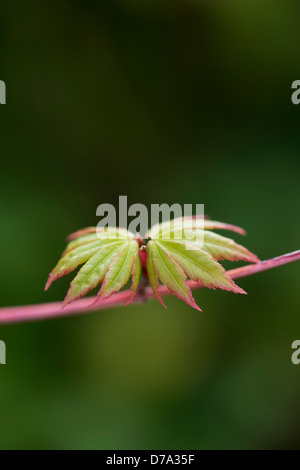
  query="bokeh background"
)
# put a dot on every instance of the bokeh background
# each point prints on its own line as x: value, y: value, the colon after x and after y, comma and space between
x: 184, y: 101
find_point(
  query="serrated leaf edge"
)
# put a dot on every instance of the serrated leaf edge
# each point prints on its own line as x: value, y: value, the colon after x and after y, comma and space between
x: 190, y: 301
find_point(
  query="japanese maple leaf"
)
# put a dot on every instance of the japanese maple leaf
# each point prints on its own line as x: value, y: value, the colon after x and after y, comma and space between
x: 169, y: 254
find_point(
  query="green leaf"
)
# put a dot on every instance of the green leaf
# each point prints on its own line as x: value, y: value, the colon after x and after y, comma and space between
x: 93, y: 271
x: 152, y: 271
x: 112, y: 254
x: 218, y: 246
x: 225, y: 248
x: 136, y: 274
x: 119, y: 270
x: 199, y: 265
x: 72, y: 259
x: 171, y: 274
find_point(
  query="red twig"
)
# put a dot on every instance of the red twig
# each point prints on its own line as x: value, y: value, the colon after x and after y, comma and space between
x: 53, y: 309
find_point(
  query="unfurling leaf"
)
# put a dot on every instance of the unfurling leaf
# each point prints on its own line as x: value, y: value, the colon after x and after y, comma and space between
x: 72, y: 259
x: 119, y: 270
x: 186, y: 244
x: 176, y: 250
x: 99, y: 250
x: 171, y: 273
x: 218, y: 246
x: 198, y: 265
x: 93, y: 272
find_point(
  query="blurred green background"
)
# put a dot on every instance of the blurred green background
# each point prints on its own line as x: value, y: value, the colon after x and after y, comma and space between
x: 184, y: 101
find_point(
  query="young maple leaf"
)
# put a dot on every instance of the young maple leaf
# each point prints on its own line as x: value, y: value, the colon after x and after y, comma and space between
x: 111, y: 255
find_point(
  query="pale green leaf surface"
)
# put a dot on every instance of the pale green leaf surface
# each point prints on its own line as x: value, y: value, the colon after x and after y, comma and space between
x: 172, y: 275
x: 93, y: 271
x: 152, y: 271
x: 72, y: 259
x: 136, y: 274
x: 218, y: 246
x: 119, y: 270
x: 225, y: 248
x: 199, y: 265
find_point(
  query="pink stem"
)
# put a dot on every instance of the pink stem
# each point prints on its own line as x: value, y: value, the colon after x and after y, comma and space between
x: 53, y: 309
